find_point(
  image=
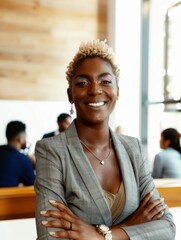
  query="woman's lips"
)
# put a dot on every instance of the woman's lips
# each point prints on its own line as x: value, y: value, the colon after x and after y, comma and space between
x: 96, y: 104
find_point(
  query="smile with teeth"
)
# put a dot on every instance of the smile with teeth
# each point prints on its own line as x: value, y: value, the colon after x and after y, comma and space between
x: 96, y: 104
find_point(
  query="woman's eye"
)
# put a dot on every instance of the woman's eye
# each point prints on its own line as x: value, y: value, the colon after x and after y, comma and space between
x: 106, y: 79
x: 81, y: 84
x: 106, y: 82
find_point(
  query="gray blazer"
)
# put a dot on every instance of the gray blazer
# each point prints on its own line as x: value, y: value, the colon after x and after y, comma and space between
x: 65, y: 174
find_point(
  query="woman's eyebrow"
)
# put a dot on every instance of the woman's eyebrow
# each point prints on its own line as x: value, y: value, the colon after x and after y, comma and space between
x: 81, y: 76
x: 105, y: 74
x: 87, y: 75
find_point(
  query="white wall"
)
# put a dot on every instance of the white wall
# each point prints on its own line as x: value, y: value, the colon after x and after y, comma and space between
x: 21, y: 229
x: 125, y: 22
x: 158, y: 119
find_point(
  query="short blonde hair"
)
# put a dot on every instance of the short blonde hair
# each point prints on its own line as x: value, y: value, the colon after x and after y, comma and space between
x: 95, y: 48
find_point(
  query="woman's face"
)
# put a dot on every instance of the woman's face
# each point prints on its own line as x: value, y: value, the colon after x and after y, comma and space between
x: 94, y: 90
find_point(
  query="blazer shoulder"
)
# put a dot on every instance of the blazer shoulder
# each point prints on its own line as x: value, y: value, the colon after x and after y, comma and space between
x: 132, y: 146
x: 51, y: 142
x: 129, y: 140
x: 50, y: 134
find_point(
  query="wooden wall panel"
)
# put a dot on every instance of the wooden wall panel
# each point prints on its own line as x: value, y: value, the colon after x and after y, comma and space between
x: 38, y: 38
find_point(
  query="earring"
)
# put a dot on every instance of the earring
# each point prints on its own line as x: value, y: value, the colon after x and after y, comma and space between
x: 72, y: 109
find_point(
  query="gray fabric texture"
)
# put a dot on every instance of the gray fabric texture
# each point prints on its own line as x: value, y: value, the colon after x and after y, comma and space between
x: 65, y: 174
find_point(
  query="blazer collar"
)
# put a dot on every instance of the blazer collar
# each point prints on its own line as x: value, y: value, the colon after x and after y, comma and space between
x: 87, y: 173
x: 90, y: 179
x: 127, y: 176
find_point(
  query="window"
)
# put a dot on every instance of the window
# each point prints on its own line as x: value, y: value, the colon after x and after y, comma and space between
x: 164, y: 78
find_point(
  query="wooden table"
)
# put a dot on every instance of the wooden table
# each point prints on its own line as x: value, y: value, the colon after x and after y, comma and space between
x: 17, y: 202
x: 170, y: 189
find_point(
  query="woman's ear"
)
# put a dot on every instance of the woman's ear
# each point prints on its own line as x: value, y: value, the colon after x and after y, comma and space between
x: 69, y: 95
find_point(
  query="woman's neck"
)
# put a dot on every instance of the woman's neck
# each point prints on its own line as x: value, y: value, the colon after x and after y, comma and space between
x: 93, y: 134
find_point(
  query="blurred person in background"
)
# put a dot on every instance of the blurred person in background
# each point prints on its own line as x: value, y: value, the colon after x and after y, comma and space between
x: 119, y: 130
x: 15, y: 167
x: 167, y: 163
x: 63, y: 121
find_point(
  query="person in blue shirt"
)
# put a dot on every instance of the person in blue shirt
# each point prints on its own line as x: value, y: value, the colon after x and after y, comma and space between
x: 15, y: 167
x: 167, y: 163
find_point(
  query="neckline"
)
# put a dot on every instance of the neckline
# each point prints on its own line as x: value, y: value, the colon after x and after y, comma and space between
x: 113, y: 193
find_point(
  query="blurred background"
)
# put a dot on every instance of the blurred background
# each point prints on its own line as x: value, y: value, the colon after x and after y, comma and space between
x: 38, y: 38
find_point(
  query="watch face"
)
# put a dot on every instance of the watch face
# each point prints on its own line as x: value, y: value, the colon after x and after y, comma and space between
x: 104, y: 228
x: 108, y: 236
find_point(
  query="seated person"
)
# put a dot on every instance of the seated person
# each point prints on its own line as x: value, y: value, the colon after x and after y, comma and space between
x: 63, y: 121
x: 167, y: 163
x: 15, y: 167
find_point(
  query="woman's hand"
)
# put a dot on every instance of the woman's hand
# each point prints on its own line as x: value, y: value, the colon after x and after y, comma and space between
x: 147, y: 211
x: 68, y: 224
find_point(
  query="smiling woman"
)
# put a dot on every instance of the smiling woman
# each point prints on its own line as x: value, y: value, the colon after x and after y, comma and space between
x: 92, y: 183
x: 93, y: 89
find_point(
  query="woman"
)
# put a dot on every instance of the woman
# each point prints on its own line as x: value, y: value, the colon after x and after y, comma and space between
x: 167, y: 163
x: 92, y: 183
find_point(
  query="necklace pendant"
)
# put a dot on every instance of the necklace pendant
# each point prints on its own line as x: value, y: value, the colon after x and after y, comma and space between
x: 102, y: 162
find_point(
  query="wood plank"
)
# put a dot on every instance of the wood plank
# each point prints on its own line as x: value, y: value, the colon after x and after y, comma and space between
x: 172, y: 196
x: 37, y: 41
x: 32, y: 58
x: 47, y: 86
x: 170, y: 189
x: 17, y: 202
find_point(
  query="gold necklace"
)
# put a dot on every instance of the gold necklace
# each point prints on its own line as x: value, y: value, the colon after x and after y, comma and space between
x: 100, y: 159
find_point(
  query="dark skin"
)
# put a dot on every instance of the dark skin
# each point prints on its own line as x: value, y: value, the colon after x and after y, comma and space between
x: 94, y: 92
x: 96, y: 83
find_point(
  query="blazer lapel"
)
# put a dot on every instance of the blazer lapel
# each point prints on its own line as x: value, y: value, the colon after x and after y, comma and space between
x: 128, y: 177
x: 87, y: 173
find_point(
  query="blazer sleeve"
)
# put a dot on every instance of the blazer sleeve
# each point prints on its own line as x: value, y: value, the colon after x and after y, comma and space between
x: 48, y: 184
x: 163, y: 229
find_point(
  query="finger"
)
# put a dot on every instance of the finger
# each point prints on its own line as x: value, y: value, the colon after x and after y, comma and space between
x: 158, y: 216
x: 57, y: 224
x: 158, y: 210
x: 51, y: 213
x: 64, y: 234
x: 146, y: 199
x: 153, y: 204
x: 149, y: 215
x: 58, y: 215
x: 62, y: 207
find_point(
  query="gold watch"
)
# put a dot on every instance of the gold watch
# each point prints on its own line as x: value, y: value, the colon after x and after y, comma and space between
x: 104, y: 231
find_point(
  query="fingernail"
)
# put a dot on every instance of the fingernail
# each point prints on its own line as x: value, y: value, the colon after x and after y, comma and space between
x: 43, y: 212
x: 151, y: 193
x: 52, y: 233
x: 52, y: 201
x: 44, y: 222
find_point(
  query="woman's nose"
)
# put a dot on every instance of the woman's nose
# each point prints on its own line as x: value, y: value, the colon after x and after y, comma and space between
x: 94, y: 89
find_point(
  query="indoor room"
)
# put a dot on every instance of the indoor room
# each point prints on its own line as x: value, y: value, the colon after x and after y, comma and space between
x: 38, y: 40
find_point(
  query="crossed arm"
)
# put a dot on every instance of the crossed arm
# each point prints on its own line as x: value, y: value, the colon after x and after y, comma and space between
x: 74, y: 228
x: 151, y: 220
